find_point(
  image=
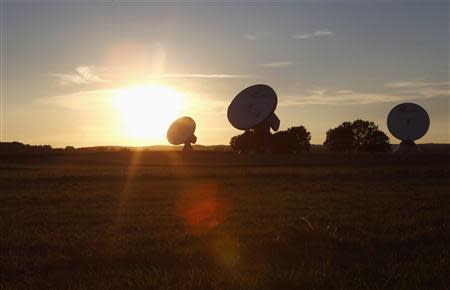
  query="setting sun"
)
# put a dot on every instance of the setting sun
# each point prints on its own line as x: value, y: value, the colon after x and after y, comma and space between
x: 146, y: 111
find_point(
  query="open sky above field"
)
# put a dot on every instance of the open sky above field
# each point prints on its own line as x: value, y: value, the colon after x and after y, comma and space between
x: 118, y: 72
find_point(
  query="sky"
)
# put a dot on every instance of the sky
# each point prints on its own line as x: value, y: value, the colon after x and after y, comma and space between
x: 89, y: 73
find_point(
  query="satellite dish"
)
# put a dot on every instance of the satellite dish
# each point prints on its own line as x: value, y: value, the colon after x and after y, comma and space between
x: 408, y: 122
x: 181, y: 131
x: 253, y: 107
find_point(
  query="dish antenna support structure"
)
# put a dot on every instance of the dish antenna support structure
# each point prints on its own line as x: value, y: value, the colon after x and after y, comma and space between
x: 181, y: 131
x: 408, y: 122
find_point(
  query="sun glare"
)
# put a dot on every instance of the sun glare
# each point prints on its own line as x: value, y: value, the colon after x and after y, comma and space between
x: 147, y: 111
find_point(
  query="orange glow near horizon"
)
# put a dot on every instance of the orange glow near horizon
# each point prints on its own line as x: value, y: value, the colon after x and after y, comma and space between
x: 146, y: 111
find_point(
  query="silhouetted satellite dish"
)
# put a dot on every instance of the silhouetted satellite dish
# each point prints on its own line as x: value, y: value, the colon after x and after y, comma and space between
x: 408, y: 122
x: 181, y: 131
x: 253, y: 107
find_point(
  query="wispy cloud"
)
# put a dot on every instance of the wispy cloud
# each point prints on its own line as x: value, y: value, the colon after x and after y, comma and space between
x: 277, y: 64
x: 100, y: 100
x: 317, y: 33
x: 82, y: 100
x: 418, y: 83
x: 82, y: 75
x: 87, y: 75
x: 420, y: 87
x: 207, y: 76
x: 343, y: 97
x: 250, y: 37
x: 395, y: 92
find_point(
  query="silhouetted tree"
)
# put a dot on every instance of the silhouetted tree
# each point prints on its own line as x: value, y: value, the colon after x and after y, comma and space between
x: 242, y: 143
x: 251, y: 141
x: 302, y: 138
x: 17, y: 147
x: 340, y: 138
x: 358, y: 135
x: 283, y: 142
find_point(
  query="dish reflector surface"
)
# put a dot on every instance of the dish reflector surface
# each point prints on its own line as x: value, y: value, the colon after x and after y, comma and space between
x: 181, y: 131
x: 408, y: 122
x: 252, y: 106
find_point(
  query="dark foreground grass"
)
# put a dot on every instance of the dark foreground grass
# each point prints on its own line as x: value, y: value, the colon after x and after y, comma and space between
x: 220, y: 221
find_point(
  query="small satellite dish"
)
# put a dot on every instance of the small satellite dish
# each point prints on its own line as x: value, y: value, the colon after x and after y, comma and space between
x: 408, y: 122
x: 253, y: 107
x: 181, y: 131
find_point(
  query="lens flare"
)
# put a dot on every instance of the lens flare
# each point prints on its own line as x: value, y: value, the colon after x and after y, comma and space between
x: 201, y: 208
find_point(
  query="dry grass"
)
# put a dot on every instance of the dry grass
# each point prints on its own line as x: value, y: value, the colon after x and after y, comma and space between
x: 220, y: 221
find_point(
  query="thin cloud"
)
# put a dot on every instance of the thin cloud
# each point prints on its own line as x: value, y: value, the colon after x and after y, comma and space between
x: 420, y: 87
x: 207, y: 76
x: 82, y: 75
x: 397, y: 92
x: 101, y: 99
x: 277, y: 64
x: 410, y: 84
x: 85, y: 75
x: 250, y: 37
x: 81, y: 100
x: 317, y: 33
x: 329, y: 97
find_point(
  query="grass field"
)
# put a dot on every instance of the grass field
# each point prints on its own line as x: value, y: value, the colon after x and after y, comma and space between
x: 218, y: 220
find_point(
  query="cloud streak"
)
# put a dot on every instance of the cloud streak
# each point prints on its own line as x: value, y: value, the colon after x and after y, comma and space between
x: 420, y: 87
x: 82, y: 75
x: 88, y: 75
x: 250, y: 37
x: 315, y: 34
x: 206, y: 76
x: 99, y: 100
x: 397, y: 92
x: 330, y: 97
x: 82, y: 100
x: 277, y: 64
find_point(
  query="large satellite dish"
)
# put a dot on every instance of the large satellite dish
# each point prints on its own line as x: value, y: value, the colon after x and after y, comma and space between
x: 408, y: 122
x: 181, y: 131
x: 254, y: 108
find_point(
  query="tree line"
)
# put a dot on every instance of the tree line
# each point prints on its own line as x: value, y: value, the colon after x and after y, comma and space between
x: 359, y: 135
x: 17, y: 147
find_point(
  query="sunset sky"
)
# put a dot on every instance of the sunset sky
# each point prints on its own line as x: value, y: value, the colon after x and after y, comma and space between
x: 117, y: 73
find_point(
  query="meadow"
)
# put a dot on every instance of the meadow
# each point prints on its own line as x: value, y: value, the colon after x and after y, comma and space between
x: 219, y: 220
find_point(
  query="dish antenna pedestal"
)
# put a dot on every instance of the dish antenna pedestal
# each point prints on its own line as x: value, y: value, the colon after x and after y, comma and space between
x: 187, y: 146
x: 182, y: 132
x: 408, y: 122
x: 407, y: 147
